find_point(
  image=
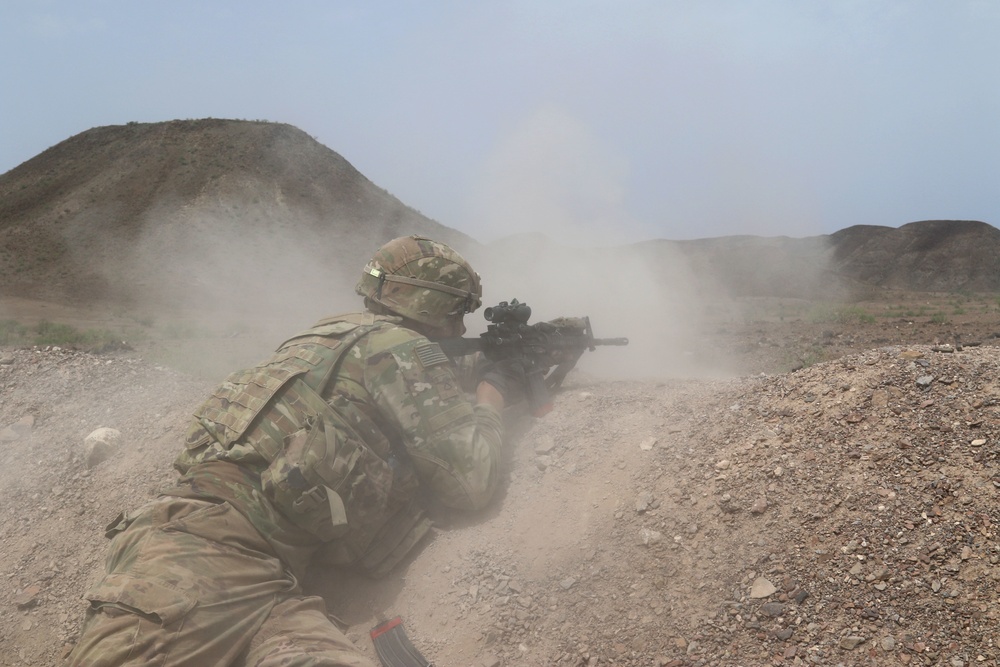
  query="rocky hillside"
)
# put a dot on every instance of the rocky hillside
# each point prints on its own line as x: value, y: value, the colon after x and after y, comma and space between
x: 929, y: 256
x: 205, y: 211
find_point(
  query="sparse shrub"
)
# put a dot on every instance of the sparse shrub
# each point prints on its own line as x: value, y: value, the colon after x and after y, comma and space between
x: 63, y: 335
x: 841, y: 315
x: 11, y: 332
x: 939, y: 318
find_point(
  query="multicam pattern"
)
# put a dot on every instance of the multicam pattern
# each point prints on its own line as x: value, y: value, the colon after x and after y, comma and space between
x: 189, y: 583
x: 398, y: 415
x: 431, y: 264
x: 359, y: 407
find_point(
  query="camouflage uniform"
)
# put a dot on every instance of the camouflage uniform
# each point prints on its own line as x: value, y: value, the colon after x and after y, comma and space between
x: 319, y: 448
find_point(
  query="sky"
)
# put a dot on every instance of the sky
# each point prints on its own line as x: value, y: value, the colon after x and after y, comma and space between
x: 588, y: 120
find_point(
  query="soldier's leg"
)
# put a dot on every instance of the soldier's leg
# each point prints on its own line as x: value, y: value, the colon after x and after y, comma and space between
x: 298, y: 633
x: 188, y: 583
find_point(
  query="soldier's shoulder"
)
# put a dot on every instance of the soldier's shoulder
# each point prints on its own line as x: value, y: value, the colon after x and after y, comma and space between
x: 393, y: 336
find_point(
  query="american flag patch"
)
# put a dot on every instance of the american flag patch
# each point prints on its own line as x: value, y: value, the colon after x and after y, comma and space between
x: 430, y: 354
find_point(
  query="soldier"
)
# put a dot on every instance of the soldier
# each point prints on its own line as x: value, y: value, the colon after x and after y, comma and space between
x: 317, y: 451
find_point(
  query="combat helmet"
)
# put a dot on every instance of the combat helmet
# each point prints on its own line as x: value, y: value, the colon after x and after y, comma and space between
x: 422, y: 280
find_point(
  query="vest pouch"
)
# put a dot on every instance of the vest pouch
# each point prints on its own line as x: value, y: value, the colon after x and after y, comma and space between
x: 325, y: 480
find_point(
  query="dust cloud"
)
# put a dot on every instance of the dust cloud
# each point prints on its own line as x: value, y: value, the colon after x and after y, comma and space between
x: 644, y: 292
x: 223, y: 283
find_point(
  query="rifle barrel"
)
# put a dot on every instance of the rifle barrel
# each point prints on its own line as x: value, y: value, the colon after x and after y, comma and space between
x: 609, y: 341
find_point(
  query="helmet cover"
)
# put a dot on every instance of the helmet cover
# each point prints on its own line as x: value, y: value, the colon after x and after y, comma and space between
x: 422, y: 280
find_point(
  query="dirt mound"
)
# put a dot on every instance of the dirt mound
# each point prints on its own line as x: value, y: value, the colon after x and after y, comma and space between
x: 843, y: 514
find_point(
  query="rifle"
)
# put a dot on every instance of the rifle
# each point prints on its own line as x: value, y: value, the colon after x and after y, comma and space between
x: 540, y: 346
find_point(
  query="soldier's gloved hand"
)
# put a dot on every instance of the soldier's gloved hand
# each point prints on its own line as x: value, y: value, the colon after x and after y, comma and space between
x: 508, y: 376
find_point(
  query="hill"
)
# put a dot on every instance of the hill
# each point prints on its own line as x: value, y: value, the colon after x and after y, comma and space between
x: 197, y: 213
x: 928, y: 256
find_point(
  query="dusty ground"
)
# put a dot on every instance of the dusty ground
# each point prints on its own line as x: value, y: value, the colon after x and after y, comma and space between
x: 844, y: 513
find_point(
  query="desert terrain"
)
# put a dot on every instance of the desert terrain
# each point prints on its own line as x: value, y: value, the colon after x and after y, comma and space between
x: 841, y: 513
x: 794, y: 462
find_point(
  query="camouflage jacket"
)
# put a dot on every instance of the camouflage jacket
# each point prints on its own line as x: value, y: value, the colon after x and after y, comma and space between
x: 324, y: 443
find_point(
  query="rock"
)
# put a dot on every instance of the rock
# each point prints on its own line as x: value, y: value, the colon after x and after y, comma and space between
x: 544, y: 445
x: 887, y: 643
x: 6, y: 360
x: 851, y: 642
x: 647, y: 444
x: 100, y: 445
x: 567, y: 583
x: 762, y: 588
x: 643, y: 502
x: 28, y: 597
x: 759, y: 506
x: 978, y: 442
x: 649, y: 537
x: 772, y: 609
x: 925, y: 381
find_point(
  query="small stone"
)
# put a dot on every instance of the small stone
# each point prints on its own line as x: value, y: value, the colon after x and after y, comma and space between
x: 888, y: 643
x: 723, y: 464
x: 762, y: 588
x: 978, y: 442
x: 647, y: 444
x: 649, y: 537
x: 852, y: 642
x: 759, y: 506
x: 544, y: 445
x: 100, y: 445
x: 772, y: 609
x: 567, y: 583
x: 925, y: 381
x: 28, y: 597
x: 643, y: 502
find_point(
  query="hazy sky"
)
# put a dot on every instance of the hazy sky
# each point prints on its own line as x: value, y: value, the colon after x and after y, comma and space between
x: 637, y: 119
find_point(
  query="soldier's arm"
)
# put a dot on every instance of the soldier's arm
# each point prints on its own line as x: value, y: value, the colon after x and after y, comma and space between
x: 454, y: 444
